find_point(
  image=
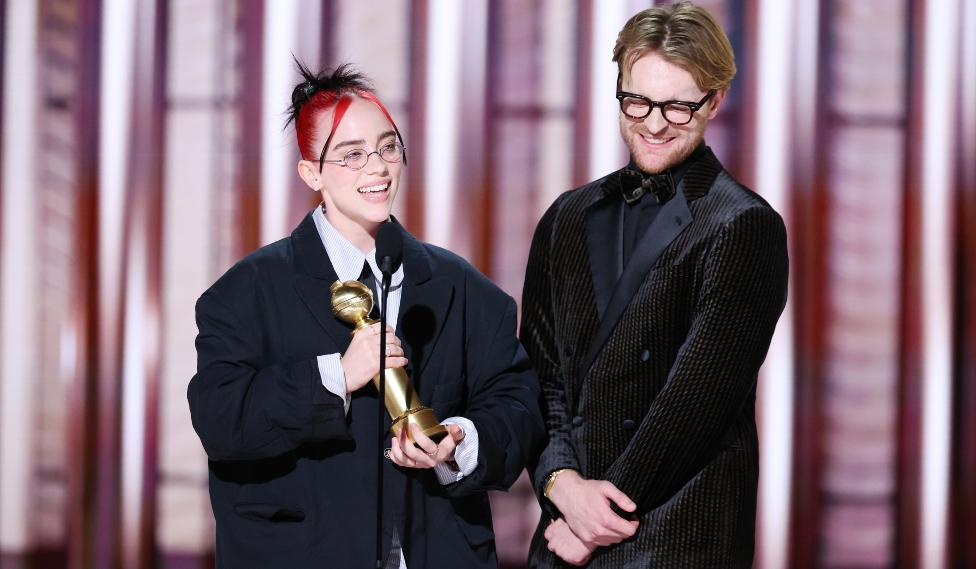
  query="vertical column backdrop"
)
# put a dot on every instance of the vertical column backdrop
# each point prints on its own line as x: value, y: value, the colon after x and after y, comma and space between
x: 20, y: 271
x: 515, y: 113
x: 250, y: 22
x: 516, y: 107
x: 731, y: 135
x: 844, y: 508
x: 84, y: 315
x: 202, y: 213
x: 962, y: 502
x: 808, y: 229
x: 139, y: 157
x: 778, y: 31
x: 54, y: 320
x: 141, y: 332
x: 65, y: 147
x: 379, y: 43
x: 936, y: 185
x: 118, y: 20
x: 314, y: 40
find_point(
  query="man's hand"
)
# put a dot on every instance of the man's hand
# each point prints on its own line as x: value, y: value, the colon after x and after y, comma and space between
x: 585, y: 505
x: 564, y: 543
x: 362, y: 359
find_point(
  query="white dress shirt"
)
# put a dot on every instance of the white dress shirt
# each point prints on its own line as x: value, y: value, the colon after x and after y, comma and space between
x: 347, y: 260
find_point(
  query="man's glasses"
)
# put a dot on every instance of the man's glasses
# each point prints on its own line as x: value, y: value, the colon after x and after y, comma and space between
x: 391, y: 153
x: 678, y: 113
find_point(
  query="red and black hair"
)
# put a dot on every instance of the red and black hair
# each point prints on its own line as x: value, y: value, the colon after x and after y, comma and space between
x: 322, y: 91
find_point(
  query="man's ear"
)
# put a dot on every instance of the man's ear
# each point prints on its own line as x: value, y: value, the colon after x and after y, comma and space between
x: 716, y: 102
x: 309, y: 174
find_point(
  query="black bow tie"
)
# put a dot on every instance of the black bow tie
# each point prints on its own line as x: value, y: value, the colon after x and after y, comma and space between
x: 635, y: 184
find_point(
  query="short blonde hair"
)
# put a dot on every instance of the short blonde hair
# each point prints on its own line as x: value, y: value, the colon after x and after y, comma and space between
x: 683, y: 34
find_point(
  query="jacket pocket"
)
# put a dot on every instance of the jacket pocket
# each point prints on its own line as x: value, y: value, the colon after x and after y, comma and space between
x: 269, y: 512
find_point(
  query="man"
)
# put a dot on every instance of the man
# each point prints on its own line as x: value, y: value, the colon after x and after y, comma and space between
x: 650, y: 299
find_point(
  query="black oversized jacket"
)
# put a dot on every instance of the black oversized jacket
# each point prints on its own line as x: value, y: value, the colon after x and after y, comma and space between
x: 293, y: 478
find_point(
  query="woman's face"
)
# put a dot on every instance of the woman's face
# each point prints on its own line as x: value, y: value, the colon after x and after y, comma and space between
x: 356, y: 200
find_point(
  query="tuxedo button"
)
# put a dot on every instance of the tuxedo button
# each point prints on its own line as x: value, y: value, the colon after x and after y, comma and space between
x: 629, y: 424
x: 577, y: 421
x: 645, y: 355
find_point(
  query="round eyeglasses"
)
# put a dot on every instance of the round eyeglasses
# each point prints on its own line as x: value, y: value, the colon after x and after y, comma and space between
x: 639, y: 107
x: 356, y: 159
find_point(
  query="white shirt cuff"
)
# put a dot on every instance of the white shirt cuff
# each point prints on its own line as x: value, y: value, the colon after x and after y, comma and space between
x: 465, y: 455
x: 334, y: 379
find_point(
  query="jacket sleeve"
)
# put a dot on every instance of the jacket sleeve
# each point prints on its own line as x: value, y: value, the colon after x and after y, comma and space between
x: 503, y: 394
x: 714, y: 374
x: 245, y: 408
x: 538, y: 336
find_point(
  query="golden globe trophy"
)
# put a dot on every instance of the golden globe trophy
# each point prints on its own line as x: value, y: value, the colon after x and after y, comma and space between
x: 351, y: 302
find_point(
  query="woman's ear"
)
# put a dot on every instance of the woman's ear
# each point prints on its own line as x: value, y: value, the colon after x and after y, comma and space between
x: 310, y: 175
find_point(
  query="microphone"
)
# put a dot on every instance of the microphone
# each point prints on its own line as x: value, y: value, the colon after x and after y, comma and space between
x: 389, y: 249
x: 389, y: 255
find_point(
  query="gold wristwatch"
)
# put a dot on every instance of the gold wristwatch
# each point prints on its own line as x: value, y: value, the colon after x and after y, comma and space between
x: 550, y: 480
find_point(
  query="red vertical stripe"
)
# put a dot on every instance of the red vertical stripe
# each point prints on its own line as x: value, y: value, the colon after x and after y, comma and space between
x: 252, y: 64
x: 143, y: 228
x: 584, y: 68
x: 809, y: 226
x: 745, y: 130
x: 484, y: 210
x: 962, y: 499
x: 82, y: 408
x: 418, y: 117
x: 910, y: 365
x: 472, y: 201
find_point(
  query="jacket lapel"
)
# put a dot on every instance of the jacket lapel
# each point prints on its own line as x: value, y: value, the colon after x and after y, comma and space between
x: 670, y: 222
x: 604, y: 234
x: 424, y: 307
x: 314, y: 280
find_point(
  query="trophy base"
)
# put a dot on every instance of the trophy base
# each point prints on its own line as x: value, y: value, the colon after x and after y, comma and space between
x: 424, y: 418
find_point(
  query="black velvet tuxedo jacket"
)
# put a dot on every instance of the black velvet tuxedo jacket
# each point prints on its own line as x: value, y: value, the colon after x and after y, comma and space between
x: 648, y: 371
x: 293, y: 478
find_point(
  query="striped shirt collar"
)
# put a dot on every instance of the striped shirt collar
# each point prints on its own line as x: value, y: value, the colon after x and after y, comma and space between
x: 347, y: 259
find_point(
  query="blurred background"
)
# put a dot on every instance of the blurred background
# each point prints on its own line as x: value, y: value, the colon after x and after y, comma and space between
x: 143, y: 152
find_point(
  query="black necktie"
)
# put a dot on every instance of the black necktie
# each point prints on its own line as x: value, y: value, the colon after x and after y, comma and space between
x: 366, y: 277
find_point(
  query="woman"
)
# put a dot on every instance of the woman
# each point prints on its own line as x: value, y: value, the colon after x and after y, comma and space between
x: 282, y: 399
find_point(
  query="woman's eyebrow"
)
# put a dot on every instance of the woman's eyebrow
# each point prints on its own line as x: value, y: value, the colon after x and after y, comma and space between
x: 344, y: 143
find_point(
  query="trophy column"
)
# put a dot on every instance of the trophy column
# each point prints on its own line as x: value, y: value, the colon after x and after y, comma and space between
x: 351, y: 302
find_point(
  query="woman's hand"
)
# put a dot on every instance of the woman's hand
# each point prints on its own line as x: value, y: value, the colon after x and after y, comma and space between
x: 362, y: 359
x: 403, y: 453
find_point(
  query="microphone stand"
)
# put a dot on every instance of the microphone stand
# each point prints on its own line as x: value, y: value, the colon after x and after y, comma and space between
x: 380, y: 411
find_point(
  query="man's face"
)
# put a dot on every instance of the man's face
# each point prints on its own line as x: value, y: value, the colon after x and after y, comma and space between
x: 654, y: 143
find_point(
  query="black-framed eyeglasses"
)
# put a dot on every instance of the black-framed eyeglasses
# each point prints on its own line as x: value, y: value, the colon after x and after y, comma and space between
x: 678, y: 113
x: 356, y: 159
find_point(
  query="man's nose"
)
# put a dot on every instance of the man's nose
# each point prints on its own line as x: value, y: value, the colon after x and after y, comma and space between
x: 655, y: 121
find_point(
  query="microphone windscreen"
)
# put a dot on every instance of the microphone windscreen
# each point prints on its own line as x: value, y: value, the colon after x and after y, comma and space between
x: 389, y: 247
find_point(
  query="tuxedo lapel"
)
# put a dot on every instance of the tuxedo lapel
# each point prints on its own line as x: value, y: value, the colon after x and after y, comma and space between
x: 424, y: 306
x: 314, y: 280
x: 670, y: 222
x: 604, y: 239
